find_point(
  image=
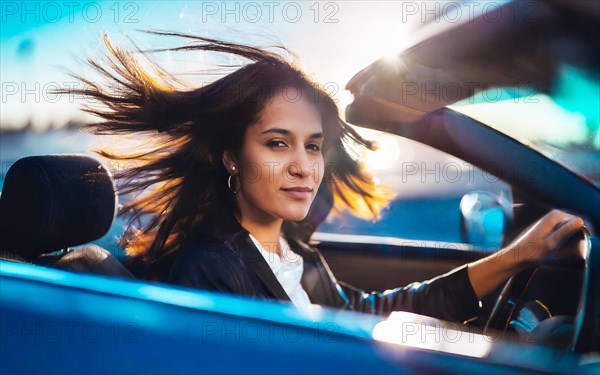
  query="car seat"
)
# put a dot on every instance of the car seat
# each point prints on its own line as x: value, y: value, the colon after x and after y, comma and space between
x: 51, y: 203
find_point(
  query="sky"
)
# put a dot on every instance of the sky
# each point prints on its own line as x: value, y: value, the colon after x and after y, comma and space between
x: 42, y: 40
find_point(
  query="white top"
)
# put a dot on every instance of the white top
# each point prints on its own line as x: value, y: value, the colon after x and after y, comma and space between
x: 288, y: 271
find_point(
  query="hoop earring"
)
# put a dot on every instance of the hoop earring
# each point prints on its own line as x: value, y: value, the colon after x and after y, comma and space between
x: 229, y: 184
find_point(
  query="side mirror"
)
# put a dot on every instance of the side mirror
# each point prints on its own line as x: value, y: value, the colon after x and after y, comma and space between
x: 485, y: 216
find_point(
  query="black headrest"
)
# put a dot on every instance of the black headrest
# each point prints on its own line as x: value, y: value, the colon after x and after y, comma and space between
x: 54, y: 201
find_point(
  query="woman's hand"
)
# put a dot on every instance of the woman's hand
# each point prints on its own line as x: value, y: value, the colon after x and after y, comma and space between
x: 541, y: 241
x: 538, y: 243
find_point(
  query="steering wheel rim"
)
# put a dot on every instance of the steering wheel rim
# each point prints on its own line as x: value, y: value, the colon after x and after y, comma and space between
x: 510, y: 298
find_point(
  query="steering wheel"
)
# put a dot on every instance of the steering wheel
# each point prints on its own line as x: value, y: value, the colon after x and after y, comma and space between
x: 509, y: 302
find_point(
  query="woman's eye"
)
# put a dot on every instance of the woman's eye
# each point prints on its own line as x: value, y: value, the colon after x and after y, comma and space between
x: 314, y: 147
x: 276, y: 144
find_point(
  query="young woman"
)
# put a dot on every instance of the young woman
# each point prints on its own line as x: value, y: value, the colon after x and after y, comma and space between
x: 233, y: 178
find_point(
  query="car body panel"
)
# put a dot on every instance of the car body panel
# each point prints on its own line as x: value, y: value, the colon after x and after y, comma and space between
x: 115, y: 325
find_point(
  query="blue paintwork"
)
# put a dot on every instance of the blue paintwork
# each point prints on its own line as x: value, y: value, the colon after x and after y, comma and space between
x: 54, y: 321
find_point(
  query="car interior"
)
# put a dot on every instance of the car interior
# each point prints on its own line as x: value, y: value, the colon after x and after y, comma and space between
x: 55, y: 202
x: 74, y: 201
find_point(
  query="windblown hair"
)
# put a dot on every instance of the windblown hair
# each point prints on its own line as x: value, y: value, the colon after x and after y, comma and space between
x: 177, y: 184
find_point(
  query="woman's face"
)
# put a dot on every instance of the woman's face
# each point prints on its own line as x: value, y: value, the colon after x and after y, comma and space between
x: 280, y: 165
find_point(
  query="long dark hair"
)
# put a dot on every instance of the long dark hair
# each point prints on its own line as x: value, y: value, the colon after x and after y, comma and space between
x: 177, y: 182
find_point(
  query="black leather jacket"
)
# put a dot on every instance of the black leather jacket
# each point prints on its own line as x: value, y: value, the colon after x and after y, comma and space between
x: 236, y: 266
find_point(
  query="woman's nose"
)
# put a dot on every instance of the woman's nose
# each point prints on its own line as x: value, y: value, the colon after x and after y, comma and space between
x: 300, y: 165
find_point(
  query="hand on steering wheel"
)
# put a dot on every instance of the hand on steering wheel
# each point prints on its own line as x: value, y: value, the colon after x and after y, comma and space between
x: 558, y: 235
x: 543, y: 240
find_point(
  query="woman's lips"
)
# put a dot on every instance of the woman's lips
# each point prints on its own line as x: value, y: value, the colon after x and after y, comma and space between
x: 298, y: 192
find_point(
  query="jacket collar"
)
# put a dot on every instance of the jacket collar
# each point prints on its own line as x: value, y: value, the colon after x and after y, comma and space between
x: 317, y: 279
x: 257, y: 264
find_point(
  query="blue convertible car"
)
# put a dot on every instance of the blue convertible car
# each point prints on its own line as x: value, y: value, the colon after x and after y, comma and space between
x: 483, y: 127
